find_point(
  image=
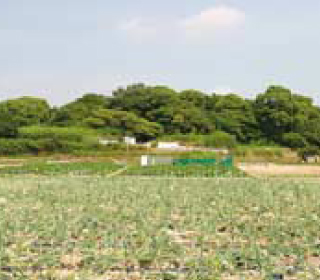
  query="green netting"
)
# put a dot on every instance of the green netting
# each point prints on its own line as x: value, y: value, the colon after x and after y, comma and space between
x: 188, y: 161
x: 226, y: 162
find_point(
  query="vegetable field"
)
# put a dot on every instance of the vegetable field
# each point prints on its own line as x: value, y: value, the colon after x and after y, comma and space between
x: 109, y: 168
x: 63, y: 227
x: 201, y: 171
x: 57, y: 168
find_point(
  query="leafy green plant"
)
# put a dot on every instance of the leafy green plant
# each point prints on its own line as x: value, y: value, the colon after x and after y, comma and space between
x: 166, y: 228
x: 56, y: 168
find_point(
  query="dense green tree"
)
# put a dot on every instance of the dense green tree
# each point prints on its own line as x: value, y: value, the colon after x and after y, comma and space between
x: 23, y: 111
x: 93, y: 100
x: 29, y: 110
x: 294, y: 140
x: 8, y: 123
x: 126, y: 122
x: 235, y: 115
x: 280, y: 112
x: 75, y: 112
x: 276, y: 116
x: 182, y: 120
x: 141, y: 99
x: 195, y: 98
x: 177, y: 113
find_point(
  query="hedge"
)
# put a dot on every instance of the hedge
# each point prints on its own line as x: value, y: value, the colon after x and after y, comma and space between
x: 59, y: 133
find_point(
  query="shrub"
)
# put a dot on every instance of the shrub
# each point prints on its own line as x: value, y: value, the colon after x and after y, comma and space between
x: 294, y: 140
x: 220, y: 139
x: 17, y: 146
x: 308, y: 151
x: 59, y: 133
x: 266, y: 152
x: 29, y: 146
x: 185, y: 139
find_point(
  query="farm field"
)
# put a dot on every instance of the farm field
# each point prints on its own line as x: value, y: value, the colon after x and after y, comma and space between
x: 113, y: 167
x: 95, y: 227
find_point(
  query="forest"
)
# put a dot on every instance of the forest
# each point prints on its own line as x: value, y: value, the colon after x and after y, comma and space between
x: 276, y: 117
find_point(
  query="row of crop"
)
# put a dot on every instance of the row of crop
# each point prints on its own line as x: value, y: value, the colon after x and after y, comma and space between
x: 104, y: 168
x: 71, y: 168
x: 129, y: 228
x: 185, y: 171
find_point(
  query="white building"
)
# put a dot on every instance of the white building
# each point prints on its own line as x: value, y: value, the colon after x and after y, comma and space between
x: 130, y: 140
x: 168, y: 145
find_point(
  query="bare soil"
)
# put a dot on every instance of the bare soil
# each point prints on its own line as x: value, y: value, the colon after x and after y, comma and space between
x: 272, y: 169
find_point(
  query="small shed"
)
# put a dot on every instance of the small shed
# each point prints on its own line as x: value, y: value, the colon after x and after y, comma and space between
x: 168, y: 145
x: 130, y: 140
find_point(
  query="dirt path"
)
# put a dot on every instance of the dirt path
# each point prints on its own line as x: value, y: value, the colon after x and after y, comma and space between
x: 118, y: 172
x: 271, y: 169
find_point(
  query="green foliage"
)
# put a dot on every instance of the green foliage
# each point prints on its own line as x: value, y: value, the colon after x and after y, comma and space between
x: 77, y: 134
x: 126, y: 122
x: 30, y: 146
x: 97, y: 227
x: 23, y: 111
x: 8, y: 123
x: 279, y: 112
x: 198, y: 154
x: 197, y: 170
x: 294, y: 140
x: 235, y: 115
x: 185, y: 139
x: 276, y: 117
x: 195, y: 98
x: 175, y: 112
x: 57, y: 168
x: 309, y: 151
x: 95, y: 122
x: 45, y: 139
x: 74, y: 113
x: 219, y: 139
x: 17, y: 146
x: 262, y: 152
x: 28, y: 110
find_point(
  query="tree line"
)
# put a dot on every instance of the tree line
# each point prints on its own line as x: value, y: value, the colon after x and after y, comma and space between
x: 277, y: 116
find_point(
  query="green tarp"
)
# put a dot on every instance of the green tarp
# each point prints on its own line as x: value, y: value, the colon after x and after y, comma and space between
x: 226, y: 162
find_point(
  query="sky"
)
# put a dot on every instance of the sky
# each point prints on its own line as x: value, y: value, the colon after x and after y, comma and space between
x: 61, y: 49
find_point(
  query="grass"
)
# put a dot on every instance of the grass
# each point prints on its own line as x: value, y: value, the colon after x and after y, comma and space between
x: 251, y: 153
x: 63, y: 227
x: 75, y: 168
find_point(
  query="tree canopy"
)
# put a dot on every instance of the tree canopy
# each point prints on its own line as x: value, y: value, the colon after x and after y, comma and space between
x: 276, y: 116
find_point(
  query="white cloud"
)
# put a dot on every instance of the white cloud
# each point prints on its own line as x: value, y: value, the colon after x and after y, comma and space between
x: 138, y: 28
x: 203, y: 25
x: 214, y: 19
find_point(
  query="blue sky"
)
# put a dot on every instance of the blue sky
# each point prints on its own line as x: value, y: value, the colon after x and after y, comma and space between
x: 60, y: 49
